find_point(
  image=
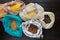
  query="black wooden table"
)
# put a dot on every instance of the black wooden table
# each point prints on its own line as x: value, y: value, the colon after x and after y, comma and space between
x: 51, y: 34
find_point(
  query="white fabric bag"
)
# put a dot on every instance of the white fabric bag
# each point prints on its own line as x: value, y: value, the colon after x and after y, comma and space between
x: 29, y: 34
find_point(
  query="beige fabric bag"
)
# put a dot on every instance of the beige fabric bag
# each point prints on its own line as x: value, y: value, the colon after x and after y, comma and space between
x: 28, y: 12
x: 52, y: 20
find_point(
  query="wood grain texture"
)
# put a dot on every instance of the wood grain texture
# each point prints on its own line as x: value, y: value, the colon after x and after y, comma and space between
x: 51, y: 34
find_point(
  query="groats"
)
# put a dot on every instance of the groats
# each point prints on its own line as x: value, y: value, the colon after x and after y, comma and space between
x: 16, y: 7
x: 14, y: 25
x: 32, y: 28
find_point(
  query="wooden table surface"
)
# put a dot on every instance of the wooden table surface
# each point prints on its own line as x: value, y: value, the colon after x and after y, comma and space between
x: 51, y: 34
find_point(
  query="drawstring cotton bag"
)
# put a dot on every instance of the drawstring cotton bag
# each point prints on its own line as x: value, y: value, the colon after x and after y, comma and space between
x: 48, y: 20
x: 31, y: 32
x: 32, y: 10
x: 7, y: 20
